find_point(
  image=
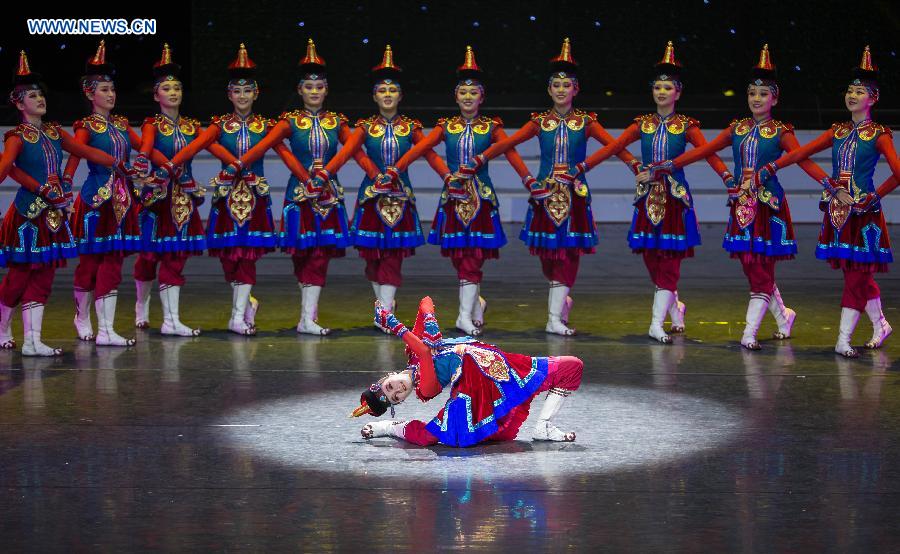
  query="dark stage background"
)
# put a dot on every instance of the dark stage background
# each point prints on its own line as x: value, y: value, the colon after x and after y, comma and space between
x: 814, y: 45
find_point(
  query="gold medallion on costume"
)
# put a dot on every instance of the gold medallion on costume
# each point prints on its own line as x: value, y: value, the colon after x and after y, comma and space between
x: 466, y: 209
x: 746, y: 207
x: 390, y: 209
x: 54, y: 219
x: 490, y: 363
x: 656, y: 202
x: 121, y: 200
x: 241, y: 202
x: 559, y: 203
x: 182, y: 206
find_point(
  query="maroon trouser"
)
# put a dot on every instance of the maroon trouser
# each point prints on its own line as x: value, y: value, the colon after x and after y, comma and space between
x: 760, y: 274
x: 664, y: 270
x: 101, y: 273
x: 171, y: 268
x: 24, y: 283
x: 859, y: 288
x: 563, y: 270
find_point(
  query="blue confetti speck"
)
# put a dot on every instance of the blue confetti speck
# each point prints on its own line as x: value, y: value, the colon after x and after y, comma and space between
x: 365, y: 41
x: 796, y: 68
x: 475, y: 24
x: 597, y: 23
x: 301, y: 24
x: 532, y: 18
x: 732, y: 31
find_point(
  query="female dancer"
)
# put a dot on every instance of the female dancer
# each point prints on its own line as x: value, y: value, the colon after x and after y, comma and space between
x: 240, y: 229
x: 35, y: 236
x: 491, y: 390
x: 759, y: 231
x: 467, y: 223
x: 171, y: 230
x: 314, y: 219
x: 664, y: 226
x: 854, y: 237
x: 559, y: 226
x: 385, y: 227
x: 105, y: 218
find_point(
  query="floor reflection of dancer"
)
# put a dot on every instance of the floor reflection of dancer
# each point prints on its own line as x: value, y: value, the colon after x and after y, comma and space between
x: 759, y: 232
x: 854, y: 236
x: 171, y: 229
x: 240, y: 229
x: 105, y: 218
x: 467, y: 224
x: 314, y: 227
x: 559, y: 226
x: 35, y: 237
x: 664, y: 227
x: 490, y: 390
x: 386, y: 227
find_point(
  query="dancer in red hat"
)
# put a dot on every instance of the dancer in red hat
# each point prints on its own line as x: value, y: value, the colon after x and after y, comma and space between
x: 854, y: 237
x: 490, y: 389
x: 467, y: 223
x: 385, y: 227
x: 559, y: 227
x: 314, y: 220
x: 35, y: 237
x: 664, y: 227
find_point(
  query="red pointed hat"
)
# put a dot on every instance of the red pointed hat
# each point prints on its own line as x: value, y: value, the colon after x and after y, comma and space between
x: 764, y: 71
x: 469, y: 69
x: 386, y: 70
x: 564, y: 63
x: 668, y: 68
x: 242, y: 67
x: 24, y: 76
x: 866, y: 73
x: 312, y: 64
x: 97, y: 64
x: 165, y: 67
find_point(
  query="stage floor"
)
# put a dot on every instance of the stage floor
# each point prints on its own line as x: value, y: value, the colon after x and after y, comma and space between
x: 231, y: 443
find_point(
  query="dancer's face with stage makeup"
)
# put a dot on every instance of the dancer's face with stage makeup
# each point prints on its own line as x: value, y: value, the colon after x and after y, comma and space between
x: 665, y: 94
x: 33, y: 104
x: 387, y: 96
x: 397, y: 386
x: 242, y: 97
x: 169, y: 94
x: 858, y: 99
x: 563, y: 91
x: 760, y: 100
x: 103, y: 99
x: 469, y: 99
x: 313, y: 93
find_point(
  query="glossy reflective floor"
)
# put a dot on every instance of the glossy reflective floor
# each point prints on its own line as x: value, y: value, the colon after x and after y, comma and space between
x: 227, y: 443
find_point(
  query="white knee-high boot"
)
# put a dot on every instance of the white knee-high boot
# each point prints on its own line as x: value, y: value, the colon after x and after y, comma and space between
x: 32, y: 320
x: 676, y: 313
x: 468, y: 296
x: 544, y: 429
x: 881, y: 329
x: 662, y: 301
x: 7, y: 341
x: 756, y: 311
x: 83, y: 325
x: 556, y: 302
x: 783, y: 315
x: 240, y: 296
x: 384, y: 428
x: 479, y: 306
x: 170, y: 296
x: 849, y: 319
x: 105, y: 306
x: 309, y: 310
x: 142, y: 303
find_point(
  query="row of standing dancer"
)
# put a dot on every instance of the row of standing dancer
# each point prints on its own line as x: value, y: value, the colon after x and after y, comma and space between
x: 149, y: 208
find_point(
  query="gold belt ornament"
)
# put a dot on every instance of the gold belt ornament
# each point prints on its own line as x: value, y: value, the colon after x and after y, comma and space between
x: 121, y: 199
x: 656, y: 202
x: 747, y: 205
x: 390, y: 209
x: 182, y: 206
x: 490, y: 363
x: 559, y: 204
x: 241, y: 202
x: 54, y: 219
x: 466, y: 209
x: 837, y: 212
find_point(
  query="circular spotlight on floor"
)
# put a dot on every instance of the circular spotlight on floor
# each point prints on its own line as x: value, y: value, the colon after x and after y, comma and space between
x: 618, y: 429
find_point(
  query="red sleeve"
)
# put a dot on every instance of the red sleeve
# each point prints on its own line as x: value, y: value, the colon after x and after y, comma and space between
x: 69, y: 144
x: 291, y: 161
x: 435, y: 161
x: 155, y: 155
x: 81, y: 136
x: 148, y: 138
x: 887, y: 187
x: 429, y: 386
x: 24, y: 179
x: 818, y: 144
x: 427, y: 143
x: 11, y: 149
x: 276, y: 134
x: 352, y: 143
x: 722, y: 140
x: 789, y: 144
x: 512, y: 156
x: 630, y: 135
x: 528, y: 131
x: 715, y: 162
x: 598, y: 132
x: 207, y: 137
x: 885, y: 145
